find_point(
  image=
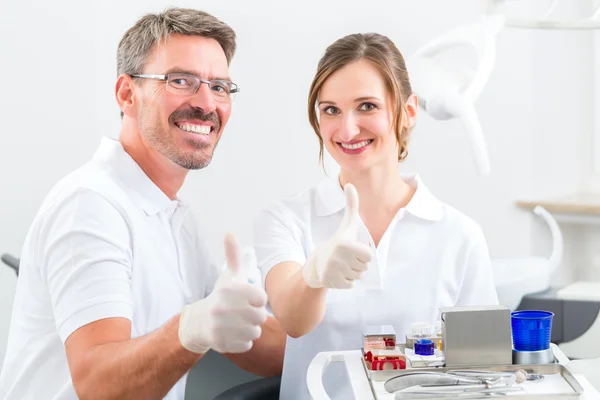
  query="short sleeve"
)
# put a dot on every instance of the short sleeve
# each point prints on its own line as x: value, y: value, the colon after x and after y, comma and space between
x: 85, y: 258
x: 275, y: 241
x: 478, y: 287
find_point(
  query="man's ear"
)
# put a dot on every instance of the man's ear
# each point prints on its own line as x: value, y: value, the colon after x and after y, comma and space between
x: 125, y: 95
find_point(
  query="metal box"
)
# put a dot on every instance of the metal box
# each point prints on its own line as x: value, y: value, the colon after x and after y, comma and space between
x: 478, y: 335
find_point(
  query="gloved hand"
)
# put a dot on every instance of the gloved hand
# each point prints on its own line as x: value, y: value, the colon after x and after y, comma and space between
x: 339, y: 261
x: 228, y: 320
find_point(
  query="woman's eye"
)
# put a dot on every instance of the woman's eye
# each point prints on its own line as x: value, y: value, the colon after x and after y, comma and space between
x: 367, y: 107
x: 331, y: 110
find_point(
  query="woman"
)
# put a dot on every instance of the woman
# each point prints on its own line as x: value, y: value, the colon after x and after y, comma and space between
x: 333, y: 265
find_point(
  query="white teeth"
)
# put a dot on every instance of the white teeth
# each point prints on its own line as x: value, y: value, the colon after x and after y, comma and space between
x: 203, y: 129
x: 355, y: 145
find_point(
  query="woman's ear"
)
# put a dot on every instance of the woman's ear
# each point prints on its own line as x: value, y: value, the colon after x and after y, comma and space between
x: 412, y: 107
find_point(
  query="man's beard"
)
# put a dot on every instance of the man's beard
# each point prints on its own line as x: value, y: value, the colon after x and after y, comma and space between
x: 165, y: 144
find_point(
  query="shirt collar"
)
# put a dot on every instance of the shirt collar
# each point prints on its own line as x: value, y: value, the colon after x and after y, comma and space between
x: 330, y: 199
x: 135, y: 181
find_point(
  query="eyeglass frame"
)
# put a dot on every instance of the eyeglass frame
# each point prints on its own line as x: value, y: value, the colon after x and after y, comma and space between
x: 165, y: 78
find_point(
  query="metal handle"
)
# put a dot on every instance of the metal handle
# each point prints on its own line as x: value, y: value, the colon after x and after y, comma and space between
x: 560, y: 357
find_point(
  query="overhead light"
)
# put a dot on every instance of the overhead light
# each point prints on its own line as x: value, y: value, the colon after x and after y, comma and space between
x: 444, y: 93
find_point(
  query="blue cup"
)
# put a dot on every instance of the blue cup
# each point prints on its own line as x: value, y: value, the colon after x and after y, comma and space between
x: 424, y: 347
x: 531, y: 330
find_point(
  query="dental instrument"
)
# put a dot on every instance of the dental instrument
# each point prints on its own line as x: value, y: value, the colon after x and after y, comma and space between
x: 493, y: 392
x: 443, y: 381
x: 521, y: 375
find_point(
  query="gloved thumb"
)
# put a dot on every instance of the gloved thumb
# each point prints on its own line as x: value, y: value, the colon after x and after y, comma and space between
x: 351, y: 219
x: 233, y: 255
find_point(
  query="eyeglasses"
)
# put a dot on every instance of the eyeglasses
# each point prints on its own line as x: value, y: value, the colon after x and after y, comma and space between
x: 187, y: 85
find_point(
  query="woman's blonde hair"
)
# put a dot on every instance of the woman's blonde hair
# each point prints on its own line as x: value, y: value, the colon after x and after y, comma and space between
x: 383, y: 54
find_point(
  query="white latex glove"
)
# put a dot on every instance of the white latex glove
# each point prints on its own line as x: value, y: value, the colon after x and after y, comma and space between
x: 228, y: 320
x: 339, y: 261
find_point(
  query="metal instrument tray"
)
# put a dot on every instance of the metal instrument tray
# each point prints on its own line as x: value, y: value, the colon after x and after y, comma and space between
x: 558, y: 383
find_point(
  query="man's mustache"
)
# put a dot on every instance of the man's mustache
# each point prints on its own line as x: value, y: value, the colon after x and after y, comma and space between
x: 196, y: 114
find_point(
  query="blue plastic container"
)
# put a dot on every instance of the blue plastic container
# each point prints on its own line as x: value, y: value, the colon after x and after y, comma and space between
x: 424, y: 347
x: 531, y: 329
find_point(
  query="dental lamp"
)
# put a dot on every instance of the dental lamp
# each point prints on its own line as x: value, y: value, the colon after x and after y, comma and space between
x: 446, y: 93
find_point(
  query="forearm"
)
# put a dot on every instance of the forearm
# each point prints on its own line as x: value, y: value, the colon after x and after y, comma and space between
x: 143, y: 368
x: 265, y: 358
x: 298, y: 307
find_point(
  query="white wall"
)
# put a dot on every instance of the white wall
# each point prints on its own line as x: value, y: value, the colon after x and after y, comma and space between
x: 58, y: 65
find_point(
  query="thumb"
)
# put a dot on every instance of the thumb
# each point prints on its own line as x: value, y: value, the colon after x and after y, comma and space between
x: 351, y: 217
x: 233, y: 255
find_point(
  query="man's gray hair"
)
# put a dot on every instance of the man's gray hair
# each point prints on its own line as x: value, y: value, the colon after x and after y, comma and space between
x: 138, y: 41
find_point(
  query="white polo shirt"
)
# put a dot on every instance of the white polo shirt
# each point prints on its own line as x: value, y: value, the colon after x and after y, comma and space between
x: 430, y: 256
x: 106, y: 242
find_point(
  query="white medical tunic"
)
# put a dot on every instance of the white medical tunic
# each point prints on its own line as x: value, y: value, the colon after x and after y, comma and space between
x: 430, y: 256
x: 107, y: 242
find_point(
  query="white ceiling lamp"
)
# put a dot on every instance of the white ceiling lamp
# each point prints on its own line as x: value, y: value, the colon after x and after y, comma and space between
x: 446, y: 92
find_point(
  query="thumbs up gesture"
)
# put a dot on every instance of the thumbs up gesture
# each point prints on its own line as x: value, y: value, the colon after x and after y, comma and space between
x: 339, y: 261
x: 229, y: 319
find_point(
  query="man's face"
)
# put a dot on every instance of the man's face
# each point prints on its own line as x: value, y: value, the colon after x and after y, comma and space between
x: 183, y: 128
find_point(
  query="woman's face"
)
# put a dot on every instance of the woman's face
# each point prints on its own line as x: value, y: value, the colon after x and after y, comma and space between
x: 356, y: 115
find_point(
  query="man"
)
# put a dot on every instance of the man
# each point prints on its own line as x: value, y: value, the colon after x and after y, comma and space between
x: 117, y: 297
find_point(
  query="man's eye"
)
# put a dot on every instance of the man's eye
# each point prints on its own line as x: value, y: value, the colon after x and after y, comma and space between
x: 219, y: 88
x: 180, y: 82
